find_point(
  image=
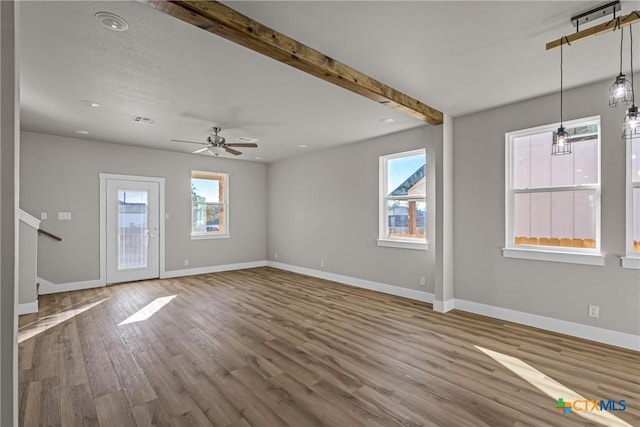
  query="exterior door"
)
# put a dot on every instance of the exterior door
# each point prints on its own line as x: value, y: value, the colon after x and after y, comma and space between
x: 132, y: 230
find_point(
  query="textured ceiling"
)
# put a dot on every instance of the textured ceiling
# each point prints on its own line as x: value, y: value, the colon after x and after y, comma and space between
x: 459, y: 57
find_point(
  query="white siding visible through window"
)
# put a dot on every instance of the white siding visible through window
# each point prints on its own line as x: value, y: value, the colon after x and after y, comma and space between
x: 553, y: 202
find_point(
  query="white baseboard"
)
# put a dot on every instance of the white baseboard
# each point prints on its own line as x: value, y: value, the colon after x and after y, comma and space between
x: 443, y: 306
x: 47, y: 287
x: 212, y: 269
x: 353, y: 281
x: 606, y: 336
x: 28, y: 308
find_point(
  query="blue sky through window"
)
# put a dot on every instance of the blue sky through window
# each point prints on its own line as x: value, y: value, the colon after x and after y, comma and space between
x: 398, y: 170
x: 207, y: 188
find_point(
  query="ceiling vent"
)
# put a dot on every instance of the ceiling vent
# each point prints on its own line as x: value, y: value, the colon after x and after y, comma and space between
x: 143, y: 120
x: 246, y: 139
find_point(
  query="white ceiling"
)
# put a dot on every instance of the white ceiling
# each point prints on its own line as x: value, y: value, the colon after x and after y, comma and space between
x: 459, y: 57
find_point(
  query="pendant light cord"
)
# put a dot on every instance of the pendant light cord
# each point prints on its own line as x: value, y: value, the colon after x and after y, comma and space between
x: 561, y: 56
x: 633, y: 92
x: 621, y: 41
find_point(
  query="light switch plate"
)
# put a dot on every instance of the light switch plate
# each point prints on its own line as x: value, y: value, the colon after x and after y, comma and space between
x: 43, y: 215
x: 64, y: 216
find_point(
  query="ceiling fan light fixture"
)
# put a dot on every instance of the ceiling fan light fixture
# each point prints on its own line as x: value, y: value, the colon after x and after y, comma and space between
x: 112, y: 21
x: 215, y: 151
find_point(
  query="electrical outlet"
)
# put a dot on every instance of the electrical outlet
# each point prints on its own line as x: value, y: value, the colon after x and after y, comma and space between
x: 275, y: 255
x: 321, y: 263
x: 43, y: 215
x: 423, y: 281
x: 594, y: 311
x: 186, y: 261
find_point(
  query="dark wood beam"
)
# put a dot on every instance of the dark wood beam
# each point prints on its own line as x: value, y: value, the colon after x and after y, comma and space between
x: 606, y: 27
x: 225, y: 22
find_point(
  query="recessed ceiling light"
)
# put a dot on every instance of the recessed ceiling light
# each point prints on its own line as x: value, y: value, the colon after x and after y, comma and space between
x: 112, y: 21
x: 91, y: 104
x: 302, y: 146
x: 83, y: 132
x: 387, y: 120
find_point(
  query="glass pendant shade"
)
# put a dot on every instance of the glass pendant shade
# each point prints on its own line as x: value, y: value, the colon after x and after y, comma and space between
x: 620, y: 92
x: 561, y: 144
x: 631, y: 124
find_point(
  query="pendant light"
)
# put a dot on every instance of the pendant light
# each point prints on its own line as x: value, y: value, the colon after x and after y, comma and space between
x: 561, y: 144
x: 621, y: 91
x: 631, y: 122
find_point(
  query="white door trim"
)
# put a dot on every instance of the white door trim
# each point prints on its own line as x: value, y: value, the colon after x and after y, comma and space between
x: 103, y: 218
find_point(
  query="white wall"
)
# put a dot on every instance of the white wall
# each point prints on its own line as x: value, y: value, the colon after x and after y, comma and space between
x: 61, y: 175
x: 557, y: 290
x: 324, y: 206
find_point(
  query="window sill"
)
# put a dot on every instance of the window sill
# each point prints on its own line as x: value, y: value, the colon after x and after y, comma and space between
x: 210, y: 236
x: 554, y: 256
x: 632, y: 262
x: 403, y: 244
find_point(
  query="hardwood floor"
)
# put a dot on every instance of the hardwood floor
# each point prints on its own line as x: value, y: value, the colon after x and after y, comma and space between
x: 264, y: 347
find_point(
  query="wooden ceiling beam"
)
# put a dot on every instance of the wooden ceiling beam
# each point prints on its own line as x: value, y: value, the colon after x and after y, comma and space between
x: 225, y: 22
x: 606, y: 27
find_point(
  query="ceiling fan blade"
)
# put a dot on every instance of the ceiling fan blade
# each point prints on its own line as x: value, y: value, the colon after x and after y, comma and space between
x: 200, y: 150
x: 243, y: 144
x: 190, y: 142
x: 232, y: 151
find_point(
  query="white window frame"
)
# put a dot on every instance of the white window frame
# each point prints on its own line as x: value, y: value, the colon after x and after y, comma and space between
x: 225, y: 204
x: 588, y: 256
x: 632, y: 259
x: 383, y: 239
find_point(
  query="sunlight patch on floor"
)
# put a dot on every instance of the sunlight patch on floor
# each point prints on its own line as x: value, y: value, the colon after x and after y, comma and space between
x: 148, y: 310
x: 48, y: 322
x: 552, y: 388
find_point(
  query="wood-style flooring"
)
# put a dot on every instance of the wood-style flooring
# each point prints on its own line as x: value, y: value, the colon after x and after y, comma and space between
x: 265, y: 347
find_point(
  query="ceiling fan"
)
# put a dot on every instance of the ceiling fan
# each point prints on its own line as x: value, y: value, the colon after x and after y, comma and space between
x: 217, y: 144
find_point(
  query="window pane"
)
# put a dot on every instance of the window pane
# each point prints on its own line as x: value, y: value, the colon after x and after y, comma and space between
x: 540, y: 213
x: 521, y: 161
x: 562, y: 169
x: 561, y: 218
x: 541, y: 160
x: 406, y: 175
x: 635, y: 160
x: 207, y: 217
x: 406, y: 219
x: 636, y: 220
x: 521, y: 216
x: 585, y: 154
x: 207, y: 190
x: 133, y: 238
x: 208, y: 201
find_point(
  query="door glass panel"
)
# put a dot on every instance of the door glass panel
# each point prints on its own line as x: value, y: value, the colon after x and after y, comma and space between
x: 133, y: 236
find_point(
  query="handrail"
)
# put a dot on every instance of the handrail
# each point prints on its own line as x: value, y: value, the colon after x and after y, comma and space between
x: 46, y: 233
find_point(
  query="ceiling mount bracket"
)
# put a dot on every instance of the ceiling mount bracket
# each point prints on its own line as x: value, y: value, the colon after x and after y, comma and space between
x: 605, y: 27
x: 596, y: 13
